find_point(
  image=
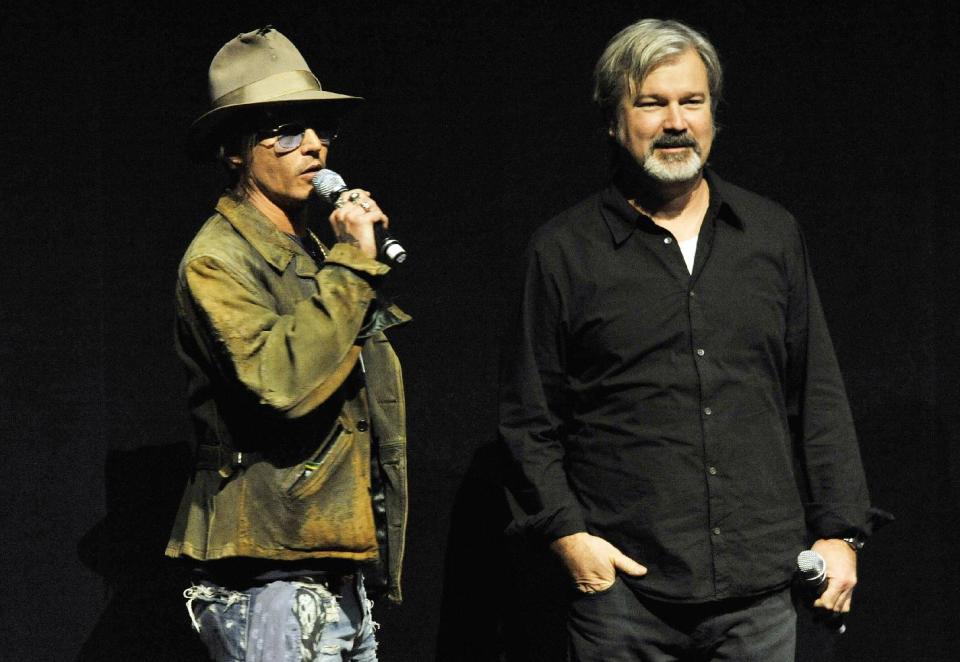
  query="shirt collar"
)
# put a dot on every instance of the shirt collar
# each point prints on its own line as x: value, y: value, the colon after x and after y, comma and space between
x: 257, y: 229
x: 623, y: 220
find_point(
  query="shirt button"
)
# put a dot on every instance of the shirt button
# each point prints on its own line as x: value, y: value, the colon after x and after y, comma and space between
x: 712, y: 471
x: 668, y: 240
x: 362, y: 425
x: 692, y: 293
x: 700, y: 352
x: 708, y: 411
x: 716, y: 530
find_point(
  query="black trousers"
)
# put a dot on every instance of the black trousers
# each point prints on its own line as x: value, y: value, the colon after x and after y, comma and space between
x: 619, y: 625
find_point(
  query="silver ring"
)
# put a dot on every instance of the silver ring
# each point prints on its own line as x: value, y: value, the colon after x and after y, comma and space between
x: 354, y: 196
x: 365, y: 206
x: 339, y: 204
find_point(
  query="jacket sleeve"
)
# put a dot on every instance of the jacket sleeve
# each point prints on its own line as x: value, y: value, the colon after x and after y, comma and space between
x: 290, y: 362
x: 532, y: 396
x: 838, y: 504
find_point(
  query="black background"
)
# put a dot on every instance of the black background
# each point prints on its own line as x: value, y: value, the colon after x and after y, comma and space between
x: 478, y: 128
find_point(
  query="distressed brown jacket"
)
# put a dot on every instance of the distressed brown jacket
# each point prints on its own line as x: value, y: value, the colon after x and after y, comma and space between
x: 283, y: 405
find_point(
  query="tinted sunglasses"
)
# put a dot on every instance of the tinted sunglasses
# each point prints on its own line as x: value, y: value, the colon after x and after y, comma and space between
x: 290, y: 135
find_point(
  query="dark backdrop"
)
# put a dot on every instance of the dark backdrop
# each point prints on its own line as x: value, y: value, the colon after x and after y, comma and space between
x: 478, y: 128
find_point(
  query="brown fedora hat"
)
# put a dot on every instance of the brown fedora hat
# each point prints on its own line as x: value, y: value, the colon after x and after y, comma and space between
x: 258, y: 69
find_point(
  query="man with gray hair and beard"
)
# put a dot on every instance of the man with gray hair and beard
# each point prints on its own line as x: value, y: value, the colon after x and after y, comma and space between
x: 672, y: 403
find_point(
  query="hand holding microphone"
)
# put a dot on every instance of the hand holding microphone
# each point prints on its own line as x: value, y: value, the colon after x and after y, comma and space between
x: 357, y: 219
x: 812, y: 576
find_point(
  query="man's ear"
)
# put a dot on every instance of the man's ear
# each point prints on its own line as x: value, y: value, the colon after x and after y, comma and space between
x: 234, y: 161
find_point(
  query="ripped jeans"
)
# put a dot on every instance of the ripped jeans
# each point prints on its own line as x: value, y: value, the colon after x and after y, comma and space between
x: 285, y: 621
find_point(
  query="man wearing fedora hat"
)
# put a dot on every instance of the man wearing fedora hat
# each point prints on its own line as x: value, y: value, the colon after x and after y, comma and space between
x: 297, y: 501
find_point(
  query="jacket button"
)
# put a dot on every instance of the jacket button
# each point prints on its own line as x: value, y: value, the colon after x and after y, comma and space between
x: 362, y: 425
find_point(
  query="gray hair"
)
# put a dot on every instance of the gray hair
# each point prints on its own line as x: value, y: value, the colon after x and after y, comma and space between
x: 637, y: 49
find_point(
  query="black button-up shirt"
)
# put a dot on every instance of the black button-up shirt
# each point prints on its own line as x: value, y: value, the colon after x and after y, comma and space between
x: 697, y: 422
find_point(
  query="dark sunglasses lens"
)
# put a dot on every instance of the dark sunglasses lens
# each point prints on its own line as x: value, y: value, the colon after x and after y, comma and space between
x: 326, y: 136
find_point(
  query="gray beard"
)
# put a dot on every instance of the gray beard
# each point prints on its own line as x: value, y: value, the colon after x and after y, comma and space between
x: 673, y: 170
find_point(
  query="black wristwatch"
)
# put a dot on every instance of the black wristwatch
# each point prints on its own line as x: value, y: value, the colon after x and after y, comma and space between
x: 856, y: 543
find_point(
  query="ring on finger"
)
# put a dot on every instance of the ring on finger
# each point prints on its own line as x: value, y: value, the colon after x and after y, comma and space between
x: 365, y: 205
x: 354, y: 196
x: 339, y: 204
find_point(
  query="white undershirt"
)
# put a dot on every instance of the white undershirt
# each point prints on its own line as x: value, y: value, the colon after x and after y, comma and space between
x: 689, y: 249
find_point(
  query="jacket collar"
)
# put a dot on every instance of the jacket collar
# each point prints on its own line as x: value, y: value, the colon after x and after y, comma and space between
x: 623, y: 220
x: 257, y: 229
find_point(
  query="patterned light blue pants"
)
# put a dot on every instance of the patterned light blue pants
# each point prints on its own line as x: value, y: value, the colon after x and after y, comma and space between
x: 285, y: 621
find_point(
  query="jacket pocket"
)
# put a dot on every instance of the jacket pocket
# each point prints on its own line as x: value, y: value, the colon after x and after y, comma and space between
x: 393, y: 459
x: 306, y: 474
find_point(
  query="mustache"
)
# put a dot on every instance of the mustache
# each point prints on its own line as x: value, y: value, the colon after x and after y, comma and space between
x: 674, y: 140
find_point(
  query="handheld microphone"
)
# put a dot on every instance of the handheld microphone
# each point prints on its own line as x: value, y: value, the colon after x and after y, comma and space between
x: 329, y: 185
x: 812, y: 569
x: 812, y: 573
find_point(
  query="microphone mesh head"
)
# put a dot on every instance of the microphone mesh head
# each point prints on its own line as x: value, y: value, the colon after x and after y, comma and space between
x: 328, y: 185
x: 810, y: 563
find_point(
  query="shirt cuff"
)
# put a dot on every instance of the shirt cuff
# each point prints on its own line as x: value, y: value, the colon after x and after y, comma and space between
x: 830, y: 521
x: 548, y: 525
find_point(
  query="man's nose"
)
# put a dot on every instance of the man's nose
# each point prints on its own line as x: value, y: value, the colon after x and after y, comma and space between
x: 311, y: 141
x: 674, y: 120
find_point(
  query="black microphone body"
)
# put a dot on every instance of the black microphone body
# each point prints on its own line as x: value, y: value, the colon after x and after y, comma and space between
x: 330, y: 186
x: 812, y: 575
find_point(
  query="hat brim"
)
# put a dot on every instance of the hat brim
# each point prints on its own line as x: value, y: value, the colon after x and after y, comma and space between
x: 203, y: 135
